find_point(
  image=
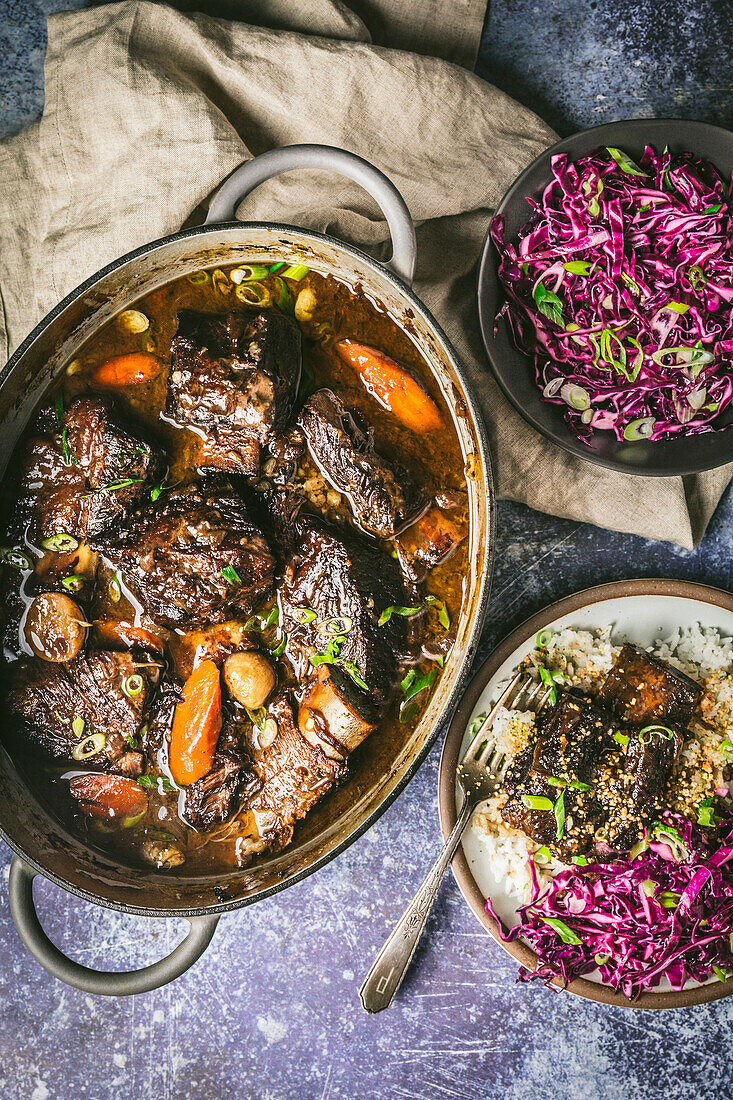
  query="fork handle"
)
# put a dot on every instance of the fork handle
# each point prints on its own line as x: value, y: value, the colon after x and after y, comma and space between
x: 390, y: 965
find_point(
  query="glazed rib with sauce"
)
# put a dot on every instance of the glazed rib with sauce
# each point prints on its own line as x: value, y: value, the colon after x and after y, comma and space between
x: 271, y: 583
x: 620, y: 752
x: 192, y: 556
x: 234, y: 378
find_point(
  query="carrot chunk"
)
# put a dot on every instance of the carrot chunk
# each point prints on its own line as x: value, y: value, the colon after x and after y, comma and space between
x: 196, y: 725
x: 392, y: 386
x: 108, y: 796
x: 125, y: 370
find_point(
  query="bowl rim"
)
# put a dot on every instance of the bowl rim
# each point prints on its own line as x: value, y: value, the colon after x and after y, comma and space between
x: 484, y: 565
x: 524, y: 955
x: 488, y: 275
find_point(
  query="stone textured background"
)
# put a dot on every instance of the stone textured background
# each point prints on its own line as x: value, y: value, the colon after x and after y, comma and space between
x: 272, y: 1011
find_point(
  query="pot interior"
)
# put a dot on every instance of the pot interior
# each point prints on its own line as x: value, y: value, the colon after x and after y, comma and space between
x: 381, y: 766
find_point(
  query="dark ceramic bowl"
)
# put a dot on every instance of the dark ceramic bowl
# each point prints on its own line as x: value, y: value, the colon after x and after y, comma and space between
x: 514, y: 371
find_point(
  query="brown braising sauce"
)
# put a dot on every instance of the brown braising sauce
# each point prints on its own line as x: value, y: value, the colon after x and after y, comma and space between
x: 327, y: 311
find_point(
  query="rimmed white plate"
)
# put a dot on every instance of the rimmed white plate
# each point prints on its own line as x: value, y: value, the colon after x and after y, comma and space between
x: 640, y: 611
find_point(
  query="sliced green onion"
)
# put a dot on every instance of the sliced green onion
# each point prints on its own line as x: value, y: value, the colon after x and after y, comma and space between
x: 285, y: 302
x: 392, y: 610
x: 576, y: 785
x: 133, y: 685
x: 684, y: 357
x: 61, y: 543
x: 339, y: 624
x: 625, y: 163
x: 713, y: 209
x: 75, y: 583
x: 726, y: 748
x: 649, y: 886
x: 548, y: 303
x: 352, y: 669
x: 555, y: 782
x: 410, y: 678
x: 114, y: 589
x: 303, y: 615
x: 578, y: 267
x: 89, y: 747
x: 566, y: 934
x: 280, y: 647
x: 247, y: 273
x: 69, y: 457
x: 230, y: 574
x: 559, y: 809
x: 678, y: 307
x: 650, y: 730
x: 129, y: 822
x: 639, y: 429
x: 160, y: 782
x: 257, y: 717
x: 133, y: 320
x: 542, y: 855
x: 579, y: 861
x: 549, y: 681
x: 600, y: 959
x: 575, y: 396
x: 59, y: 408
x: 536, y: 802
x: 198, y: 277
x: 296, y: 272
x: 720, y: 974
x: 276, y: 267
x: 544, y: 638
x: 706, y: 815
x: 123, y: 484
x: 156, y: 491
x: 253, y: 294
x: 622, y: 739
x: 443, y: 616
x: 420, y: 684
x: 18, y: 559
x: 639, y: 847
x: 669, y: 900
x: 78, y: 726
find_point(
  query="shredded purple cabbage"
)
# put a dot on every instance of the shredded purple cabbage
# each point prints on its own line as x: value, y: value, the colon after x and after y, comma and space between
x: 620, y: 288
x: 667, y: 913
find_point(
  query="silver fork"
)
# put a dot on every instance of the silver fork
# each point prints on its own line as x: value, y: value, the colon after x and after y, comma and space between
x: 480, y: 774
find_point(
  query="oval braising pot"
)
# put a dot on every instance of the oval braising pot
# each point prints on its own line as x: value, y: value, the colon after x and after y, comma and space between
x: 378, y: 773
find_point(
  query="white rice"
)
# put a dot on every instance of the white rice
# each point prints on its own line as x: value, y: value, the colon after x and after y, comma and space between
x: 584, y: 658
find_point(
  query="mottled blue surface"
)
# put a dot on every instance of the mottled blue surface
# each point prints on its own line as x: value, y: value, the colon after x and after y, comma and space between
x: 272, y: 1009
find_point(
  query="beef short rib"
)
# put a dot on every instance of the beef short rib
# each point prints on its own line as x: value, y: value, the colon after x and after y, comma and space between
x: 382, y: 498
x: 84, y: 474
x: 49, y: 703
x: 193, y: 556
x: 641, y: 689
x: 234, y: 379
x: 335, y: 576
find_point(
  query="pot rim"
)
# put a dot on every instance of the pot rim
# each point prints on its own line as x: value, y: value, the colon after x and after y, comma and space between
x: 483, y: 567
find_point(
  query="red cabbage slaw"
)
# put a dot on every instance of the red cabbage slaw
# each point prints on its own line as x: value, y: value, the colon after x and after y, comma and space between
x: 668, y: 913
x: 620, y: 288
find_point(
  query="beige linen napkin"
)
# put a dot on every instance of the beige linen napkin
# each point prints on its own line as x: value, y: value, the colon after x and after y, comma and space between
x: 148, y: 109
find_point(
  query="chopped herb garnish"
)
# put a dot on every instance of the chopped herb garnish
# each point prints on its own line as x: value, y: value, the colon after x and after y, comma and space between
x: 548, y: 304
x: 280, y: 647
x: 405, y: 684
x: 69, y: 456
x: 159, y: 782
x: 647, y: 732
x: 352, y: 669
x: 303, y: 615
x: 706, y: 815
x: 622, y: 739
x: 392, y: 610
x: 230, y: 574
x: 123, y: 484
x: 536, y: 802
x: 157, y: 490
x: 549, y: 681
x: 559, y: 810
x: 566, y: 934
x: 420, y: 684
x: 443, y: 616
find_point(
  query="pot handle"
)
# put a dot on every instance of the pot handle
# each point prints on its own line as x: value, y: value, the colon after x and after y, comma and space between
x: 273, y: 163
x: 102, y: 982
